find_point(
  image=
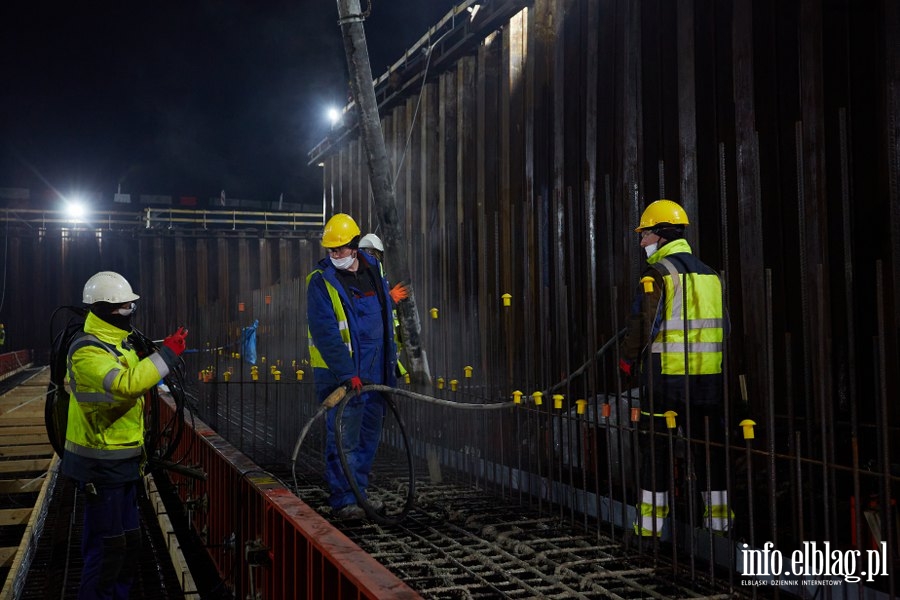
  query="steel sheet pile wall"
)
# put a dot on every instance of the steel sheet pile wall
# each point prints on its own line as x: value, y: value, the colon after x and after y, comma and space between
x: 523, y: 167
x: 184, y: 276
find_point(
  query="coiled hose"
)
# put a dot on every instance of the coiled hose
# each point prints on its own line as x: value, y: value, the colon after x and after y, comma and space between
x: 340, y: 398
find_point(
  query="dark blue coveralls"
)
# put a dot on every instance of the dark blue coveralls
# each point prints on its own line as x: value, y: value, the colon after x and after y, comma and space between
x: 374, y: 358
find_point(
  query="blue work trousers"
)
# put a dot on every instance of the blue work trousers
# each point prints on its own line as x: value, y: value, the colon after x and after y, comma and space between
x: 361, y: 425
x: 111, y: 541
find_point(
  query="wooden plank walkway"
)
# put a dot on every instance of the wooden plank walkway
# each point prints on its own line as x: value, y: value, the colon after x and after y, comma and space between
x: 30, y: 520
x: 25, y: 458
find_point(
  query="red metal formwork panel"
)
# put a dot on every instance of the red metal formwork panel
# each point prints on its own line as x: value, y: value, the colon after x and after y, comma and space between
x: 263, y: 538
x: 13, y: 362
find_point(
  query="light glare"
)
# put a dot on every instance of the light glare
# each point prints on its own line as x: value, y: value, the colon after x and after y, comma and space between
x: 76, y: 209
x: 334, y: 115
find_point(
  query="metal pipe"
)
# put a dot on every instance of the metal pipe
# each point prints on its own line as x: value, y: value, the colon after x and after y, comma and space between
x: 887, y: 495
x: 770, y: 412
x: 825, y: 416
x: 379, y: 174
x: 672, y: 497
x: 728, y: 415
x: 711, y: 572
x: 750, y: 514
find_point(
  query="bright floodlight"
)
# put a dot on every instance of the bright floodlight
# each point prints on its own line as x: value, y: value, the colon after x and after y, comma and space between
x: 334, y: 115
x: 76, y: 209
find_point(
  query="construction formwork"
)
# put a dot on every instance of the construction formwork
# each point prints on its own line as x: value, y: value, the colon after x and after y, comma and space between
x: 264, y: 541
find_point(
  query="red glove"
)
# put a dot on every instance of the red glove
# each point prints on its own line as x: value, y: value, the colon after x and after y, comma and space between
x: 354, y: 383
x: 399, y: 292
x: 175, y: 342
x: 625, y: 366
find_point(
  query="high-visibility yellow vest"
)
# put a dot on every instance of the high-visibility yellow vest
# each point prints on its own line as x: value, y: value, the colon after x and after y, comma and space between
x: 315, y: 357
x: 107, y: 382
x: 693, y: 324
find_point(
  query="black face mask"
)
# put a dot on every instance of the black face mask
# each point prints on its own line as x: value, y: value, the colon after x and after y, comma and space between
x: 107, y: 312
x: 670, y: 234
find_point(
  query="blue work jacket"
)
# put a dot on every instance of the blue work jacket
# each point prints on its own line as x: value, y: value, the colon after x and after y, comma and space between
x: 343, y: 362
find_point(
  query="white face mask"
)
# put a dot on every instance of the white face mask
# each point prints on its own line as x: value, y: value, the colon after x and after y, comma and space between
x: 650, y: 249
x: 343, y: 263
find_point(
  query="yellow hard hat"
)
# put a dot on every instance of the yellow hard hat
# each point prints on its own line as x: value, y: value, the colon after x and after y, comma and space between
x: 339, y: 231
x: 662, y: 212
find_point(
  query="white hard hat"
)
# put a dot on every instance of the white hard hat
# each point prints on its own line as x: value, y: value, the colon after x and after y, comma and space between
x: 107, y: 286
x: 370, y: 240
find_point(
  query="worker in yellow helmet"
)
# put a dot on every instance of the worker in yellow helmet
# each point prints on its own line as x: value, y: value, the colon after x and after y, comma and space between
x: 351, y: 341
x: 674, y: 338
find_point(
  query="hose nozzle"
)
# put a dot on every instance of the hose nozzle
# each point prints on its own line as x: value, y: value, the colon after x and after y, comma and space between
x: 336, y: 396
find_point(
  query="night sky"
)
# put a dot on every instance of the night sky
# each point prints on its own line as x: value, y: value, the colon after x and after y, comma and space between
x: 180, y: 98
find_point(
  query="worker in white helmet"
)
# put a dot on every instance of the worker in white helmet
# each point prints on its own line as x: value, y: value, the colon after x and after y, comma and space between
x: 104, y: 448
x: 371, y: 244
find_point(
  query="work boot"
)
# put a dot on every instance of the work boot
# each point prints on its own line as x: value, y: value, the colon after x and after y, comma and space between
x: 350, y: 511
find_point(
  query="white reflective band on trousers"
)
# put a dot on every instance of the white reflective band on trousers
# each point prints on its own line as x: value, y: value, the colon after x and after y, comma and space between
x: 717, y: 514
x: 652, y: 512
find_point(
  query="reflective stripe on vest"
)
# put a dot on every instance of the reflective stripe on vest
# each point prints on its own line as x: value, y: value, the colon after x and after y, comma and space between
x: 704, y: 325
x: 91, y: 340
x: 652, y: 512
x: 717, y: 515
x: 315, y: 357
x: 103, y: 454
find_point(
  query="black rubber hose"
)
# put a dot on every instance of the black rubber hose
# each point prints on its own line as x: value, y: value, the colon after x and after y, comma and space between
x: 386, y: 520
x: 173, y: 430
x: 388, y: 392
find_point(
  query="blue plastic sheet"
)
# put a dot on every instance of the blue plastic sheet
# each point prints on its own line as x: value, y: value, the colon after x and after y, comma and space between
x: 248, y: 342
